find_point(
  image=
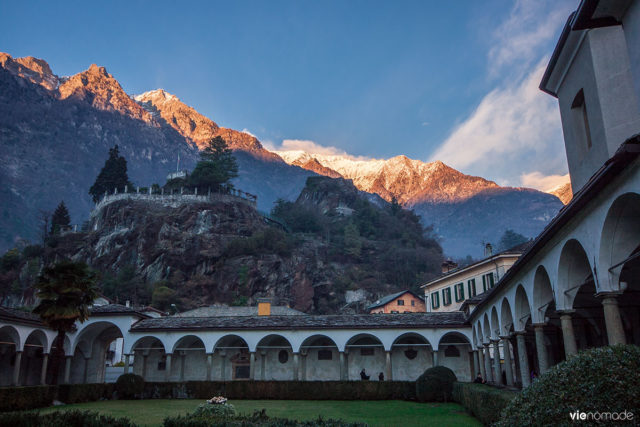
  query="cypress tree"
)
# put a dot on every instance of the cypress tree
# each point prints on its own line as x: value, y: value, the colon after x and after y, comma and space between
x: 60, y: 219
x: 112, y: 176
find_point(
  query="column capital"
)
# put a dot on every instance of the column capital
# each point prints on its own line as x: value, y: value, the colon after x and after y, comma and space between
x: 494, y: 340
x: 505, y: 337
x: 608, y: 294
x: 486, y: 344
x: 519, y: 333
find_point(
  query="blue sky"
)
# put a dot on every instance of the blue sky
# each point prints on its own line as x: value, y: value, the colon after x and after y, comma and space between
x: 455, y: 81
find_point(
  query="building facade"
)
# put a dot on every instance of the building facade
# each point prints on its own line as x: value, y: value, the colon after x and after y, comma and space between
x: 449, y: 291
x: 400, y: 302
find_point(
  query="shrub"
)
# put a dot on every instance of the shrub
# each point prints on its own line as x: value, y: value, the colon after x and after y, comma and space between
x: 435, y: 384
x: 208, y: 410
x: 78, y: 393
x: 129, y: 386
x: 604, y: 379
x: 482, y: 401
x: 62, y: 419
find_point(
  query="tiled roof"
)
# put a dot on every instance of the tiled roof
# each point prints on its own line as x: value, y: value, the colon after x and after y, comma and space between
x: 359, y: 321
x: 19, y: 315
x: 388, y: 298
x: 219, y: 310
x: 114, y: 309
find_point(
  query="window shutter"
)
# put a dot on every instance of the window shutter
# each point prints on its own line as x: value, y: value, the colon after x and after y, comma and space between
x: 484, y: 283
x: 461, y: 291
x: 491, y: 283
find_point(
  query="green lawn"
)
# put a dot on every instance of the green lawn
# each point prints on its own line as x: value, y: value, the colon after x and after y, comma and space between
x: 375, y: 413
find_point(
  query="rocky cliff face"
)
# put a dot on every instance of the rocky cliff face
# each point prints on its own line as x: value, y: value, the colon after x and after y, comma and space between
x: 563, y: 192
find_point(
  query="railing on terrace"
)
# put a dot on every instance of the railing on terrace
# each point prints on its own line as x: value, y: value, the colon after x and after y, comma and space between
x: 177, y: 194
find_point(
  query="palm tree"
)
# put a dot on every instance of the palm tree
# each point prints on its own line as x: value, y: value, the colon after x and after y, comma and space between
x: 66, y: 290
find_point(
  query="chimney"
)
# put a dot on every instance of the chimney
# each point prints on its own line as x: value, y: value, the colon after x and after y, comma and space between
x: 264, y: 307
x: 448, y: 265
x: 488, y: 250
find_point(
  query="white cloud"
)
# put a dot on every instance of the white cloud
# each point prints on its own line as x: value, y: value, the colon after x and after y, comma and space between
x: 311, y: 148
x: 543, y: 182
x: 519, y: 39
x: 515, y: 130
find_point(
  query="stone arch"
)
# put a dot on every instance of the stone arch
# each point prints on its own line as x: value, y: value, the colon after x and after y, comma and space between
x: 150, y: 359
x: 495, y: 323
x: 322, y: 359
x: 365, y: 351
x: 36, y: 346
x: 9, y: 346
x: 486, y: 329
x: 574, y: 270
x: 411, y: 353
x: 543, y: 297
x: 479, y: 334
x: 189, y: 359
x: 522, y: 308
x: 619, y: 239
x: 232, y: 353
x: 506, y: 317
x: 102, y: 347
x: 276, y: 360
x: 454, y: 352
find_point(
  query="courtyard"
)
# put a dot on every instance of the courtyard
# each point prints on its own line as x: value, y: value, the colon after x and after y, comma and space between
x: 374, y: 413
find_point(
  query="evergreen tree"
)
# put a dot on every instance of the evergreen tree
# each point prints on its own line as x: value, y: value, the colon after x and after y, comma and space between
x: 60, y: 219
x: 217, y: 165
x: 112, y: 176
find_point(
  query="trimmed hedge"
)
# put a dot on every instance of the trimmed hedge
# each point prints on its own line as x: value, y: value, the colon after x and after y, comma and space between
x: 129, y: 386
x: 21, y: 398
x: 80, y: 393
x: 482, y: 401
x: 284, y: 390
x: 599, y: 380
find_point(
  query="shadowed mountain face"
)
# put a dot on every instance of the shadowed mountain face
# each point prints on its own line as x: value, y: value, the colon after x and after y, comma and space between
x: 55, y: 133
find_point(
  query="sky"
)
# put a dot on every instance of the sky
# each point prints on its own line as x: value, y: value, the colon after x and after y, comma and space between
x: 455, y: 81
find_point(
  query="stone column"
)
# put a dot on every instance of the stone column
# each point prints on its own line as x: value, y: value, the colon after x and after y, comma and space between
x: 497, y: 372
x: 481, y: 369
x: 43, y: 373
x: 223, y: 373
x: 126, y: 363
x: 16, y: 369
x: 167, y: 371
x: 296, y: 367
x: 67, y: 369
x: 487, y: 363
x: 303, y: 366
x: 209, y: 365
x: 252, y: 365
x: 434, y: 357
x: 85, y: 371
x: 388, y: 369
x: 523, y: 361
x: 612, y: 320
x: 570, y: 347
x: 476, y: 364
x: 343, y: 371
x: 541, y: 348
x: 144, y: 366
x: 507, y: 360
x: 263, y: 365
x: 182, y: 359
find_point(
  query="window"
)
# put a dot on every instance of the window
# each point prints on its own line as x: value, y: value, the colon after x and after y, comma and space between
x: 446, y: 296
x: 366, y: 351
x: 459, y: 292
x: 581, y: 120
x: 410, y: 354
x: 471, y: 287
x: 400, y: 302
x: 413, y: 303
x: 451, y: 351
x: 487, y: 282
x: 394, y: 312
x: 283, y: 356
x: 325, y: 355
x: 435, y: 300
x: 162, y: 364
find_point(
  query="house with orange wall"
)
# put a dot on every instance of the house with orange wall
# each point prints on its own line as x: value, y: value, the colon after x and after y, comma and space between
x: 400, y: 302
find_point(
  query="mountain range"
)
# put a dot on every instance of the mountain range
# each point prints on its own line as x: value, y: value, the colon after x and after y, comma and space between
x: 55, y: 133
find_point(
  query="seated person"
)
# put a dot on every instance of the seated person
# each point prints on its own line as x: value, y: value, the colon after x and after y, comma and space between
x: 363, y: 375
x: 479, y: 379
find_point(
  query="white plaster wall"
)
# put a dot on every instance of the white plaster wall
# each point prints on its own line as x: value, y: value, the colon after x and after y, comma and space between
x: 404, y: 369
x: 274, y: 370
x: 322, y: 370
x: 461, y: 366
x: 373, y: 365
x: 631, y: 25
